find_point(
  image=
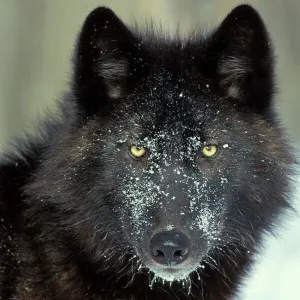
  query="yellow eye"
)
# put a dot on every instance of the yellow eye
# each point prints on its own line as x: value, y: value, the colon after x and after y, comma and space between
x: 209, y: 150
x: 137, y: 152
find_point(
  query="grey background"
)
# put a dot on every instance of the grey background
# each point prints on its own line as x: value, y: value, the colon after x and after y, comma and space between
x: 37, y: 37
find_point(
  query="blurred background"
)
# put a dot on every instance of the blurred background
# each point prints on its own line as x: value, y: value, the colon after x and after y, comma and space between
x: 37, y: 39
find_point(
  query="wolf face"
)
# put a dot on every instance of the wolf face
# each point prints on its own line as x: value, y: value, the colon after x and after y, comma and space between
x: 175, y: 161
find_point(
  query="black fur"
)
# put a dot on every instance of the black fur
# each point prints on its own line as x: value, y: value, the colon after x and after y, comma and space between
x: 77, y: 212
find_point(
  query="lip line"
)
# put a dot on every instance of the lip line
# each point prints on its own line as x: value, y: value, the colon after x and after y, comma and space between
x: 171, y: 270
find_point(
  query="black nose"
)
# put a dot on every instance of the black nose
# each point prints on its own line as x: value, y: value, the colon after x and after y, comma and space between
x: 170, y: 248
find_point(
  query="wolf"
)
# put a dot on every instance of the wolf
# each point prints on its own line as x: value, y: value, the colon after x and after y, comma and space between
x: 158, y: 176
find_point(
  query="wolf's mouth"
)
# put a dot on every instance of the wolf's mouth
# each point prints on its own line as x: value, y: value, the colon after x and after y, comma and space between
x: 172, y: 274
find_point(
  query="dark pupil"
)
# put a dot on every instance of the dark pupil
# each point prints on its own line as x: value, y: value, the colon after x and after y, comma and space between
x: 208, y: 148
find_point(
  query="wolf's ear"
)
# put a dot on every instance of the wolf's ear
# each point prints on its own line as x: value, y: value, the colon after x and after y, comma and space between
x: 104, y: 60
x: 243, y: 59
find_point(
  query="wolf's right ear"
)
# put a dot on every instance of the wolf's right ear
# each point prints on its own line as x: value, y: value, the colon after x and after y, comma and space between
x: 242, y: 56
x: 105, y: 61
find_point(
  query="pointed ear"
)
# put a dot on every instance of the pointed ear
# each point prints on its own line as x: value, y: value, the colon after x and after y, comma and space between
x: 244, y: 59
x: 104, y: 61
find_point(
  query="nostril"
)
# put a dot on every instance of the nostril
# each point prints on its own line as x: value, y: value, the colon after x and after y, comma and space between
x: 158, y: 253
x: 184, y: 251
x: 177, y: 254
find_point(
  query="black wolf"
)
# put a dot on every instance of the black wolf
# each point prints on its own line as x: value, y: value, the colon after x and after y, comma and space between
x: 159, y: 176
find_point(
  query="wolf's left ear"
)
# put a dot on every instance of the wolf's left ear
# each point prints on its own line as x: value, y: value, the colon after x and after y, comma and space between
x: 243, y: 59
x: 105, y: 61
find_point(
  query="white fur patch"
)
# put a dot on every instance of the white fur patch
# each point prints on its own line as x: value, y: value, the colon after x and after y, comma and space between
x: 276, y: 271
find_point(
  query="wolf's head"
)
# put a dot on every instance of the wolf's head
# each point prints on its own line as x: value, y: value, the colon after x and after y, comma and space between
x: 175, y: 162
